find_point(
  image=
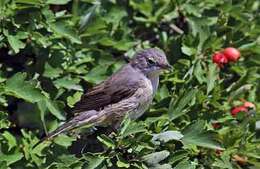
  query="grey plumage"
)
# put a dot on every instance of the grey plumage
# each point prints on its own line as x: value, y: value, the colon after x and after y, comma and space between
x: 127, y: 92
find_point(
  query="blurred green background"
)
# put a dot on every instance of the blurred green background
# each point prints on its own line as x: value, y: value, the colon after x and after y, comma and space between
x: 52, y: 51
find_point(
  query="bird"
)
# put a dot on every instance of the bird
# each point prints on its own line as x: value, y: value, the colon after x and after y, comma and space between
x: 125, y: 94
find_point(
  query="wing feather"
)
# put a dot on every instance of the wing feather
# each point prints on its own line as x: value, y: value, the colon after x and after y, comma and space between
x: 119, y: 86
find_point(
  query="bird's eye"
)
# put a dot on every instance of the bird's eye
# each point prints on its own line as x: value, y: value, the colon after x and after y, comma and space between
x: 150, y: 61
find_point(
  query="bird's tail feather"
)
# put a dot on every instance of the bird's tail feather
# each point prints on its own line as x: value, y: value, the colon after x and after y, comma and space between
x: 84, y: 118
x: 65, y: 127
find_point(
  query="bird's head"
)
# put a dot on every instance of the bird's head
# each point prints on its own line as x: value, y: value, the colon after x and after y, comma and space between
x: 151, y: 62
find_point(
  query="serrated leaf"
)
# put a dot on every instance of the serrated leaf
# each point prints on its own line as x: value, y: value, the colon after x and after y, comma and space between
x: 62, y: 29
x: 93, y: 161
x: 97, y: 74
x: 74, y: 99
x: 131, y: 127
x: 166, y: 137
x: 195, y: 134
x: 68, y: 83
x: 155, y: 158
x: 212, y: 77
x: 38, y: 150
x: 185, y: 164
x: 11, y: 141
x: 18, y: 87
x: 64, y: 140
x: 223, y: 162
x: 51, y: 72
x: 177, y: 106
x: 15, y: 43
x: 12, y: 158
x: 188, y: 51
x: 178, y: 156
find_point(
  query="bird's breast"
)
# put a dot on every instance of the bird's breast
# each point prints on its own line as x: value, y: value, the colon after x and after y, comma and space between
x: 144, y: 97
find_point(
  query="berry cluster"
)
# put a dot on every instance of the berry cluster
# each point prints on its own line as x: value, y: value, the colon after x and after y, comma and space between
x: 229, y: 54
x: 244, y: 108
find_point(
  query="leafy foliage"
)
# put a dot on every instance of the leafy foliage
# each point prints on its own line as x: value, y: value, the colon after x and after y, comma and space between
x: 51, y: 51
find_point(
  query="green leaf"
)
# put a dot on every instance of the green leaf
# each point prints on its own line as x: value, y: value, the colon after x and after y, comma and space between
x: 196, y: 135
x: 66, y: 161
x: 212, y: 77
x: 145, y: 7
x: 15, y: 43
x: 74, y: 99
x: 106, y: 141
x: 64, y: 140
x: 188, y: 50
x: 93, y: 161
x: 162, y: 93
x: 54, y: 109
x: 155, y: 158
x: 62, y: 29
x: 85, y: 19
x: 240, y: 91
x: 97, y: 74
x: 17, y: 86
x: 42, y: 107
x: 161, y: 166
x: 51, y: 72
x: 12, y: 158
x: 11, y: 141
x: 131, y: 127
x: 57, y: 2
x: 199, y: 73
x: 166, y: 137
x: 224, y: 162
x: 30, y: 2
x: 68, y: 83
x: 177, y: 106
x: 178, y: 156
x: 4, y: 122
x: 122, y: 163
x: 38, y: 150
x: 185, y: 164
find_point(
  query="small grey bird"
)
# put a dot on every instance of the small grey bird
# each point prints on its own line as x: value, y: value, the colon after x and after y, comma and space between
x: 128, y: 92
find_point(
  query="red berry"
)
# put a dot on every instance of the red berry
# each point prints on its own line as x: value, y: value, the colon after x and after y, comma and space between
x: 249, y: 105
x: 238, y: 109
x: 220, y: 59
x: 216, y: 125
x: 232, y: 54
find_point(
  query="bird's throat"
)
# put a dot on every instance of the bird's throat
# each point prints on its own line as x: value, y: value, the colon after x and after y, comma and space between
x: 155, y: 83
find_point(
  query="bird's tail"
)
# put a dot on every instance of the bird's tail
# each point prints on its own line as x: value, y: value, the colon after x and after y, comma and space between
x: 61, y: 129
x: 85, y: 118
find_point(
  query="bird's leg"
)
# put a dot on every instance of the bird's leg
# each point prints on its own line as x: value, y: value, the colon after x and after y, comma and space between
x: 114, y: 128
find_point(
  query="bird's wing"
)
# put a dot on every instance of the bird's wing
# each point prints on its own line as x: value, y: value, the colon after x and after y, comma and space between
x: 121, y: 85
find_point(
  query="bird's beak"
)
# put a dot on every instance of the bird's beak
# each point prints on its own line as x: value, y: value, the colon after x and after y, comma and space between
x: 167, y: 66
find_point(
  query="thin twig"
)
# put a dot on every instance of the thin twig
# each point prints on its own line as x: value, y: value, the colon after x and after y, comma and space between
x: 176, y: 29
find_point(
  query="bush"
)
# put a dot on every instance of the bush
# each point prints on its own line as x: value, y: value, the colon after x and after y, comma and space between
x: 51, y: 50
